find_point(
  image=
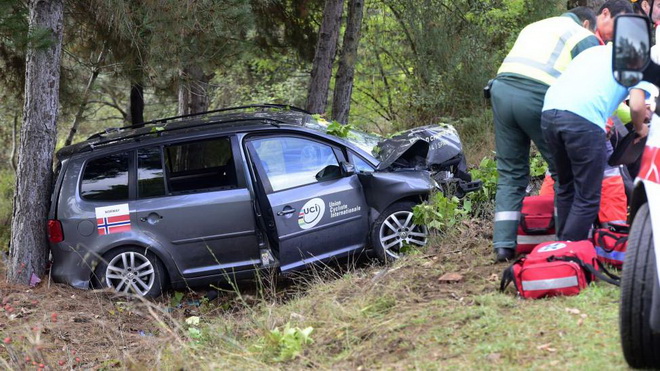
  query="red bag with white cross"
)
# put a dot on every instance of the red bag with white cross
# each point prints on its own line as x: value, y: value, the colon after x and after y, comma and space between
x: 556, y: 268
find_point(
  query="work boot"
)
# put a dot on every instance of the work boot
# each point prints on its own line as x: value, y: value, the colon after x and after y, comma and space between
x: 504, y: 255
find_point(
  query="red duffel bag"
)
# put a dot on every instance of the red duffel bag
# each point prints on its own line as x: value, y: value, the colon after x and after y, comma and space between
x: 556, y: 268
x: 537, y: 223
x: 611, y: 244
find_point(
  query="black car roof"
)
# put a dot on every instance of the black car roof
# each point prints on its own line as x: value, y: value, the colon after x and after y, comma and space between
x: 228, y: 119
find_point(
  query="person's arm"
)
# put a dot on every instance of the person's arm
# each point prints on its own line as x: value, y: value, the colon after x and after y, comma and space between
x: 638, y: 112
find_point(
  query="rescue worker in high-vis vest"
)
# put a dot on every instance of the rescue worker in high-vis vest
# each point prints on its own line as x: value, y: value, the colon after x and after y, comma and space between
x: 540, y: 54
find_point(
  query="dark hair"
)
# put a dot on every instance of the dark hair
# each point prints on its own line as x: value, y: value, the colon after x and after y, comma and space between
x: 585, y: 14
x: 616, y: 7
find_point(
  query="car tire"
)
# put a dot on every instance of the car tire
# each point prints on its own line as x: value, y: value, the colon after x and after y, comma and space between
x: 640, y: 345
x: 395, y: 228
x: 132, y: 270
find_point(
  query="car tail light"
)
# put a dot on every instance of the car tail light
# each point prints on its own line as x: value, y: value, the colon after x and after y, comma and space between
x: 55, y: 233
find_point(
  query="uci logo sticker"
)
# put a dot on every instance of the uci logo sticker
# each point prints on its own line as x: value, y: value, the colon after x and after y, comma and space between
x: 552, y: 247
x: 311, y: 213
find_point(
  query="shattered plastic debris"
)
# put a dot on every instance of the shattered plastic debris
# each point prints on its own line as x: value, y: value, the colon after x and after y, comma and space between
x: 34, y: 280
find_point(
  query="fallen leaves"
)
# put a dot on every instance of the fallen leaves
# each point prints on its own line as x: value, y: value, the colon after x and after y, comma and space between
x: 450, y: 278
x: 547, y: 347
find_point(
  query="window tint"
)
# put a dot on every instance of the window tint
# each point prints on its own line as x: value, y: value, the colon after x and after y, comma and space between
x: 106, y: 178
x: 151, y: 182
x: 291, y: 162
x: 198, y: 166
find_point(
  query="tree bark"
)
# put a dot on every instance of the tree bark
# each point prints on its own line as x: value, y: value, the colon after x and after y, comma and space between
x: 317, y: 93
x: 137, y: 103
x: 29, y: 248
x: 81, y: 109
x: 341, y: 100
x: 193, y: 94
x: 14, y: 141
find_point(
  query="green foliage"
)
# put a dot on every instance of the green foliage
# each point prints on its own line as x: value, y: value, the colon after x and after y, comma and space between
x: 537, y: 166
x: 487, y: 173
x: 176, y: 298
x: 288, y: 343
x: 7, y: 184
x: 339, y: 130
x: 441, y: 212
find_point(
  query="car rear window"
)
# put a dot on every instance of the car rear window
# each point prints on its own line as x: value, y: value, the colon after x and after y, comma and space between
x: 151, y: 182
x: 106, y: 178
x: 200, y: 166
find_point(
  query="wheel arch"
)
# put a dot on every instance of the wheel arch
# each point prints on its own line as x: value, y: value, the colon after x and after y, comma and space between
x: 638, y: 199
x: 172, y: 271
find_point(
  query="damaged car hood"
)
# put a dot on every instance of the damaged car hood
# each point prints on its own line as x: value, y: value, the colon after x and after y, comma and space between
x: 421, y: 147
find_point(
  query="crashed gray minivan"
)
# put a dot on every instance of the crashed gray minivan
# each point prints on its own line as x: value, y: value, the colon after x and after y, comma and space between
x: 198, y: 199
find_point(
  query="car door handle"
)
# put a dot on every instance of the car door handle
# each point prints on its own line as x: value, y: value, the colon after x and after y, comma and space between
x: 286, y: 211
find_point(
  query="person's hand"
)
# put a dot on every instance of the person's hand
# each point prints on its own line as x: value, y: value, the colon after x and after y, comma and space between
x: 641, y: 134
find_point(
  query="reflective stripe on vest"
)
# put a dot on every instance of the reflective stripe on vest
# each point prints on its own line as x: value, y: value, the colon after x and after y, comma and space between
x: 553, y: 283
x: 501, y: 216
x: 534, y: 239
x: 543, y: 49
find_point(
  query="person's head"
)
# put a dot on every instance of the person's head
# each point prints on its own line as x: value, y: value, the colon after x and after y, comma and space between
x: 646, y: 5
x: 586, y: 16
x: 606, y: 14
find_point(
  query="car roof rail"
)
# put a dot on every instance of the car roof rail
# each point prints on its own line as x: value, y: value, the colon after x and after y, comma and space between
x: 221, y: 110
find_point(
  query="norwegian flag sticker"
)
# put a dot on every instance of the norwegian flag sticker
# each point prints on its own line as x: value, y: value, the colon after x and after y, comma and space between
x: 113, y: 219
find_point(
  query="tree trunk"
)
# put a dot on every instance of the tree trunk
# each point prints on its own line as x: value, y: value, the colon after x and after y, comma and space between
x: 341, y: 100
x: 193, y: 90
x: 317, y: 94
x: 137, y: 103
x: 85, y: 99
x: 14, y: 140
x: 29, y: 248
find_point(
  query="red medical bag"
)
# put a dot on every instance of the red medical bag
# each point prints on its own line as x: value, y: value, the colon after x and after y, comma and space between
x: 555, y: 268
x: 537, y: 223
x: 611, y: 244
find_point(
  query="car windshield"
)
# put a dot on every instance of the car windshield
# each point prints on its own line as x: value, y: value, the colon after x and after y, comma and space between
x: 362, y: 140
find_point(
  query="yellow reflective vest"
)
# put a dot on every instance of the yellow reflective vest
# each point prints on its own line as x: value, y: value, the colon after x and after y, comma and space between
x: 543, y: 49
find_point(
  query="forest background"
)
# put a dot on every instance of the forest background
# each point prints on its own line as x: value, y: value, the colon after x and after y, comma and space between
x: 415, y: 62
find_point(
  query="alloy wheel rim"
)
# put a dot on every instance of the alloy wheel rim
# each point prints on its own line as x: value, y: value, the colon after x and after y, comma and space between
x: 130, y: 272
x: 399, y: 230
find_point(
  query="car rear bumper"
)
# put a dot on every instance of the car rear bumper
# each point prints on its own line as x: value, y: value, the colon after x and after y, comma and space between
x: 72, y: 265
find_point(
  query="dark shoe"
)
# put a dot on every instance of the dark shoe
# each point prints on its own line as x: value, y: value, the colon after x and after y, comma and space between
x: 504, y: 255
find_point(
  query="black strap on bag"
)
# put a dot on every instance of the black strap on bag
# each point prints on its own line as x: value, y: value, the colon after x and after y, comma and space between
x: 507, y: 275
x: 620, y: 240
x: 536, y: 231
x: 608, y: 277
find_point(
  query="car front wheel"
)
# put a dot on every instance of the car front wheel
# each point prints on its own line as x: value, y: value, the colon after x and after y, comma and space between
x: 394, y: 229
x: 131, y: 270
x: 640, y: 345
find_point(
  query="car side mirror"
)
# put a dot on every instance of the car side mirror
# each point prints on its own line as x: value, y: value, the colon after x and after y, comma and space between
x: 347, y: 169
x: 632, y: 44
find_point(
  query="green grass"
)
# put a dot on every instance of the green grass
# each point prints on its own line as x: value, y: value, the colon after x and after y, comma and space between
x: 403, y: 317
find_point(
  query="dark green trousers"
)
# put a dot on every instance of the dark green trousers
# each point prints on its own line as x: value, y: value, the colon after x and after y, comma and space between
x: 517, y: 105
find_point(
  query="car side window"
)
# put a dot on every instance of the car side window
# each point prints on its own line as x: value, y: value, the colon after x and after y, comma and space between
x: 200, y: 166
x: 291, y: 161
x: 106, y: 178
x: 361, y: 166
x: 151, y: 182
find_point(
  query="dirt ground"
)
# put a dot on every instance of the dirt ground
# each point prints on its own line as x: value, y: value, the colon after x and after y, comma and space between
x: 59, y: 327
